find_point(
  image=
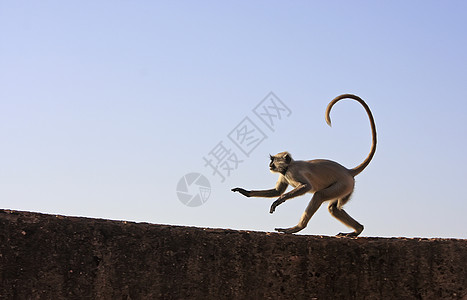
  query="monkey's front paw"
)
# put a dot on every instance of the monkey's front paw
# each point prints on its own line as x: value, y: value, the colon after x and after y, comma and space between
x: 289, y: 230
x: 275, y: 204
x: 241, y: 191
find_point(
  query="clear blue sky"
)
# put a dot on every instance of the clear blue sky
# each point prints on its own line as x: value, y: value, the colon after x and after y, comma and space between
x: 106, y: 105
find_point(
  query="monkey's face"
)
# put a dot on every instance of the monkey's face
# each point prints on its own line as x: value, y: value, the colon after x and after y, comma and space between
x: 280, y: 162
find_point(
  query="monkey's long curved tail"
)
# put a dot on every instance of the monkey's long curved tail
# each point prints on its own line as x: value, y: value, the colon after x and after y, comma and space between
x: 358, y: 169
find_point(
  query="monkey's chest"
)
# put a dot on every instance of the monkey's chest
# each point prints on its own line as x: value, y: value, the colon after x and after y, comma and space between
x: 294, y: 182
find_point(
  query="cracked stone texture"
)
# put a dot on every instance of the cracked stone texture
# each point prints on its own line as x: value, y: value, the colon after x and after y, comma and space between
x: 57, y: 257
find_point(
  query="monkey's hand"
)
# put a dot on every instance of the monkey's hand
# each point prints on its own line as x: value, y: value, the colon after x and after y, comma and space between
x: 275, y: 204
x: 241, y: 191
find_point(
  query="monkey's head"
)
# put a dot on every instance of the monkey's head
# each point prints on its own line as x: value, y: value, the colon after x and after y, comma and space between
x: 280, y: 162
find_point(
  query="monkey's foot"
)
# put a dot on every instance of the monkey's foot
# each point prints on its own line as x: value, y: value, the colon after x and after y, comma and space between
x: 289, y: 230
x: 349, y: 234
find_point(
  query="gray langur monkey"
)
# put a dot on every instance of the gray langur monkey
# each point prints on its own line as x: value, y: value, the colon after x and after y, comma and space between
x: 325, y: 179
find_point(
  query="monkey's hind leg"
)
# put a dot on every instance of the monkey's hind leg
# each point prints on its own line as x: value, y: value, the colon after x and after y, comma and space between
x: 335, y: 208
x: 330, y: 193
x: 312, y: 207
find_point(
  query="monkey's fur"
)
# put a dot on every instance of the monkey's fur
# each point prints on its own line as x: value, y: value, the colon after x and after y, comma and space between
x: 327, y: 180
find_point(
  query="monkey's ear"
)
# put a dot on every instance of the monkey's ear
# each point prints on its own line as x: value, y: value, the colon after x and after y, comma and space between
x: 287, y: 158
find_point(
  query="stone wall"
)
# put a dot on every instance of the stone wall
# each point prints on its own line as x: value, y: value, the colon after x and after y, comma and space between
x: 56, y: 257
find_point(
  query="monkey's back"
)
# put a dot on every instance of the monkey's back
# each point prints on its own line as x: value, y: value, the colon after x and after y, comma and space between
x: 322, y: 173
x: 326, y: 164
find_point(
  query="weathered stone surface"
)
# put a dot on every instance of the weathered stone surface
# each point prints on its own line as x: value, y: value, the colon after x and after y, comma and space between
x: 56, y: 257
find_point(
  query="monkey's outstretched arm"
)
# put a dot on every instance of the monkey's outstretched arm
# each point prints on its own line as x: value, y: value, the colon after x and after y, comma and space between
x: 298, y: 191
x: 280, y: 188
x: 263, y: 193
